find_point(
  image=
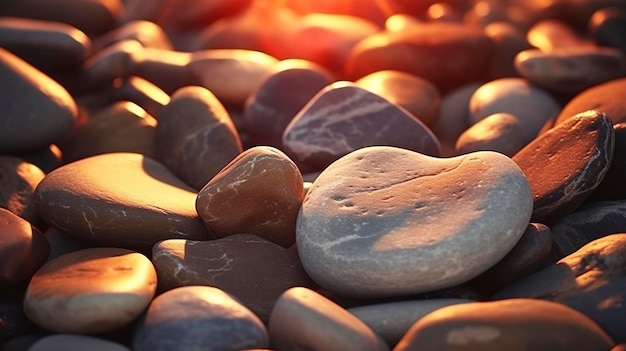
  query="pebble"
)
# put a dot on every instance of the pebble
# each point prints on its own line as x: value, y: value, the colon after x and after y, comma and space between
x: 506, y: 325
x: 90, y: 291
x: 531, y: 105
x: 344, y: 117
x: 603, y: 97
x: 194, y: 318
x: 606, y: 26
x: 550, y: 34
x: 37, y: 110
x: 195, y: 137
x: 75, y: 342
x: 501, y: 132
x: 304, y: 319
x: 233, y: 264
x: 259, y: 192
x: 454, y: 117
x: 565, y: 164
x: 379, y: 210
x: 509, y: 41
x: 119, y: 199
x: 23, y: 249
x: 17, y: 188
x: 147, y: 33
x: 590, y: 280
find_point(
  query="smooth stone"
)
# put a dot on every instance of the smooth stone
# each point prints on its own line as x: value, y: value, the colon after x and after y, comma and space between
x: 280, y: 97
x: 531, y: 105
x: 195, y: 137
x: 530, y: 254
x: 606, y: 27
x: 515, y: 324
x: 19, y: 180
x: 23, y: 249
x: 304, y: 319
x: 417, y: 95
x: 392, y: 320
x: 119, y: 199
x: 252, y: 269
x: 426, y: 51
x: 121, y: 127
x: 37, y: 111
x: 119, y: 61
x: 344, y: 117
x: 501, y: 132
x: 90, y: 291
x: 570, y: 70
x: 75, y: 342
x: 259, y: 192
x: 194, y: 318
x: 565, y: 164
x: 509, y: 40
x: 591, y: 280
x: 44, y: 44
x: 147, y: 33
x: 605, y: 97
x: 613, y: 186
x: 454, y: 117
x: 590, y: 222
x: 381, y: 209
x: 142, y: 92
x: 549, y: 34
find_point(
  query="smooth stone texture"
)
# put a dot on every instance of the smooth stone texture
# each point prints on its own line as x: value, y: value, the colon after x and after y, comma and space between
x: 148, y: 34
x: 516, y: 324
x: 36, y: 110
x: 344, y: 117
x: 613, y: 186
x: 259, y: 192
x: 501, y: 132
x: 418, y: 96
x: 195, y: 318
x: 121, y: 127
x: 531, y: 105
x: 195, y: 137
x: 280, y: 97
x: 23, y: 249
x: 384, y: 221
x: 253, y: 270
x: 393, y: 319
x: 565, y: 164
x: 303, y: 319
x: 75, y: 342
x: 549, y: 34
x: 509, y: 40
x: 591, y: 280
x: 119, y: 199
x: 429, y: 51
x: 90, y: 291
x: 569, y: 71
x: 605, y: 97
x: 17, y: 187
x: 454, y: 117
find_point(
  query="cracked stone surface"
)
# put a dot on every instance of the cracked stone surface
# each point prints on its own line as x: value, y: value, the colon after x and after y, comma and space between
x: 90, y: 291
x: 384, y: 221
x: 259, y: 192
x: 199, y: 318
x: 250, y: 268
x: 119, y: 199
x: 591, y: 280
x: 566, y: 164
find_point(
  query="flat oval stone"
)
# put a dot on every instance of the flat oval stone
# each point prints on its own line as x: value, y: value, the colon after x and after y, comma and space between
x: 501, y: 132
x: 75, y: 342
x: 304, y: 319
x: 198, y: 318
x: 531, y: 105
x: 605, y: 97
x: 381, y: 209
x: 417, y: 95
x: 23, y: 249
x: 19, y: 180
x: 565, y: 164
x: 344, y: 117
x: 426, y: 51
x: 506, y: 325
x: 90, y: 291
x: 591, y: 280
x: 121, y: 127
x: 195, y: 137
x: 392, y: 320
x: 37, y: 111
x: 119, y: 199
x: 259, y: 192
x: 252, y: 269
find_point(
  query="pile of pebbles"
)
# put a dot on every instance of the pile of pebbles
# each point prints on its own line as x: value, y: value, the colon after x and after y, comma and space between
x: 312, y: 175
